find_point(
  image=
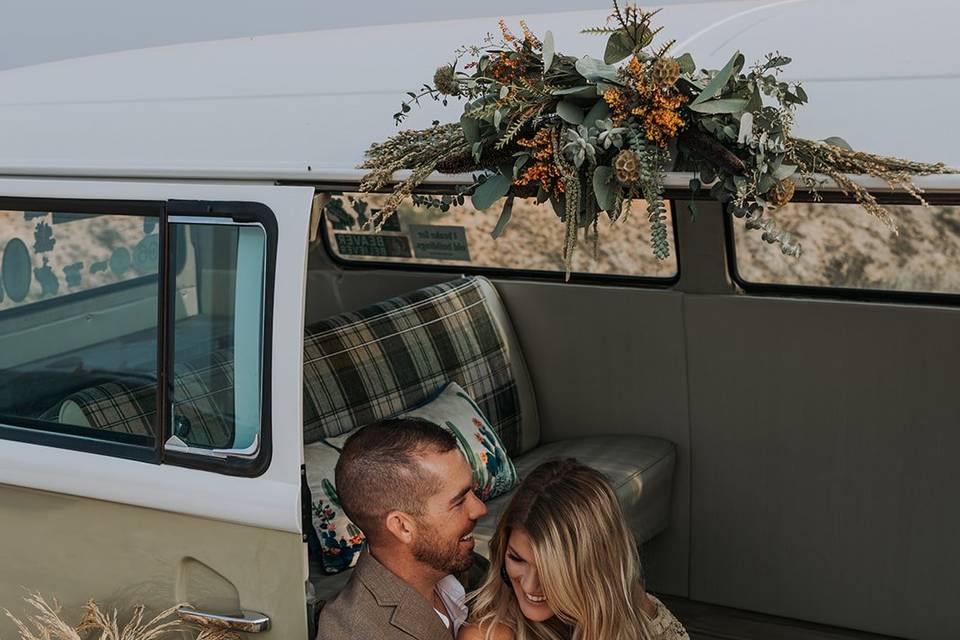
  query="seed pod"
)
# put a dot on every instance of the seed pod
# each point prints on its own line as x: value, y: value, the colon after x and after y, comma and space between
x: 626, y: 167
x: 445, y: 81
x: 665, y: 72
x: 781, y: 193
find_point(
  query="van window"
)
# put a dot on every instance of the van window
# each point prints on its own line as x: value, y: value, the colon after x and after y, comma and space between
x: 80, y: 333
x: 217, y: 337
x: 845, y: 247
x: 448, y: 230
x: 78, y: 323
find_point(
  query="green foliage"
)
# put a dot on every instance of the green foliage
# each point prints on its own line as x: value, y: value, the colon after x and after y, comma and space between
x: 504, y: 218
x: 604, y: 187
x: 588, y: 135
x: 569, y: 112
x: 719, y: 81
x: 490, y: 191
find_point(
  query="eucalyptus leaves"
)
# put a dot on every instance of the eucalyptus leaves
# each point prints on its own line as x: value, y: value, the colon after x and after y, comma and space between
x: 590, y: 136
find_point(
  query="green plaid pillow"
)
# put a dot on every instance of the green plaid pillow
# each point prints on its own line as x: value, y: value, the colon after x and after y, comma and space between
x: 453, y: 409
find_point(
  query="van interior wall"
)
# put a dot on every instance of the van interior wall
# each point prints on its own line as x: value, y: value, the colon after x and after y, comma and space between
x: 825, y: 443
x: 815, y: 471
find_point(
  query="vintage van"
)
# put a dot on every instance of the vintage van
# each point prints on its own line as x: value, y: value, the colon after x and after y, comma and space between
x: 180, y: 235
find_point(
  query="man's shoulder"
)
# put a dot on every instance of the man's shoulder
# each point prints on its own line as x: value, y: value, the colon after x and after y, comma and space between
x: 352, y: 612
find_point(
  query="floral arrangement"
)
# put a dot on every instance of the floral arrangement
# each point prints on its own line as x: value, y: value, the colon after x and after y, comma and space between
x: 590, y: 136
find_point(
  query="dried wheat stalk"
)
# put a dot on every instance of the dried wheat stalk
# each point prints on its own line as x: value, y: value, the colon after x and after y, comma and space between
x: 47, y: 624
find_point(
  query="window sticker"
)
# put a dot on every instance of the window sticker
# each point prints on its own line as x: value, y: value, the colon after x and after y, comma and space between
x: 380, y: 245
x: 439, y: 242
x: 44, y: 255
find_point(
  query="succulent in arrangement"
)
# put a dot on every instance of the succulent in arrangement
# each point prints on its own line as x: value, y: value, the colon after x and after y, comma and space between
x: 590, y: 135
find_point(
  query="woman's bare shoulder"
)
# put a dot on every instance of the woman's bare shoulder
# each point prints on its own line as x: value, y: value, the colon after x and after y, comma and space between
x: 475, y: 632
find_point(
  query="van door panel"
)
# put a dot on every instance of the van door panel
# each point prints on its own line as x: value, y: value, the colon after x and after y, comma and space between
x: 73, y: 549
x: 76, y: 525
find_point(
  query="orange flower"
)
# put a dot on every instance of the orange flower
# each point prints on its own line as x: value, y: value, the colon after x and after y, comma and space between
x: 509, y: 37
x: 658, y: 112
x: 635, y: 69
x: 543, y: 172
x: 529, y: 38
x: 505, y: 69
x: 619, y: 109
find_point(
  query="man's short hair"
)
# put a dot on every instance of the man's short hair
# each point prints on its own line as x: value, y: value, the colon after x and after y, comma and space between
x: 379, y: 470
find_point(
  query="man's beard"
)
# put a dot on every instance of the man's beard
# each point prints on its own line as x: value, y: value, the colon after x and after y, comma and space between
x: 443, y: 556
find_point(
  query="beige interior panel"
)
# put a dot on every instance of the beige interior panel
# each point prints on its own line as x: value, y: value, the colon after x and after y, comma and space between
x: 825, y: 439
x: 74, y: 549
x: 610, y: 360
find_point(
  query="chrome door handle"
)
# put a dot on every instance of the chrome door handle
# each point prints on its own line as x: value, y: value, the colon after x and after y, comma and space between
x: 248, y: 622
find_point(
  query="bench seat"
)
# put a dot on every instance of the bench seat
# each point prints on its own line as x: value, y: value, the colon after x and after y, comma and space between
x: 640, y: 469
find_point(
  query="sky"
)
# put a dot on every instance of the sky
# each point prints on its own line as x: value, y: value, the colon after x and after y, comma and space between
x: 37, y: 31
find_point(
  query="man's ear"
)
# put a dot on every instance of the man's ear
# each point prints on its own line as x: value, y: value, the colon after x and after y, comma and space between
x: 401, y: 526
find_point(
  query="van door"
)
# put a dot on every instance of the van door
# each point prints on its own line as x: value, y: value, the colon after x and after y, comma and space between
x: 150, y: 393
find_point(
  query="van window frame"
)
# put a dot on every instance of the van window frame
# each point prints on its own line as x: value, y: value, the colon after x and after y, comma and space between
x: 241, y: 213
x: 837, y: 293
x: 500, y: 273
x: 75, y: 438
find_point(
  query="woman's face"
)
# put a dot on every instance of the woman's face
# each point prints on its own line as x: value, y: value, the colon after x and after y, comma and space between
x: 524, y: 577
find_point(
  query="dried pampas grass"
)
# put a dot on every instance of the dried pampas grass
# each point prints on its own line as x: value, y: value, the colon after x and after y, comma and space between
x: 96, y: 624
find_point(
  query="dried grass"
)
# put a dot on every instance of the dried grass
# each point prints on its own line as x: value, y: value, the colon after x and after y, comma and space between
x: 96, y: 624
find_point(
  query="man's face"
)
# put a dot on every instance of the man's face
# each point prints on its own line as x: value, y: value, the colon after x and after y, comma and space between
x: 444, y: 539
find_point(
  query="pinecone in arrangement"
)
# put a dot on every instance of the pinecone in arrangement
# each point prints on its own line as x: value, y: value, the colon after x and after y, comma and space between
x: 781, y: 193
x: 445, y: 81
x: 626, y: 167
x: 665, y: 72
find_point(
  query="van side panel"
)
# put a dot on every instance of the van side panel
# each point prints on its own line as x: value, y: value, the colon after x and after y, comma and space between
x: 73, y: 549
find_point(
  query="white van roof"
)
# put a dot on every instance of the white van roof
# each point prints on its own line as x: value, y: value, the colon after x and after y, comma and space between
x: 305, y: 106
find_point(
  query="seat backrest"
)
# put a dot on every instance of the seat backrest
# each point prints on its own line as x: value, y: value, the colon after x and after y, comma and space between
x: 204, y: 403
x: 366, y: 365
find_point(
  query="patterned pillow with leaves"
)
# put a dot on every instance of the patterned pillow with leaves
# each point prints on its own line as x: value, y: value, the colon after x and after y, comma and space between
x: 340, y: 539
x: 454, y: 409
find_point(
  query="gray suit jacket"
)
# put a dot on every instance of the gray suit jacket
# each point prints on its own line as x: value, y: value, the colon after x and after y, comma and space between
x: 377, y: 604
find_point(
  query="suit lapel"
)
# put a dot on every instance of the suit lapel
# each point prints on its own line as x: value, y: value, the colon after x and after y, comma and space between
x: 416, y: 616
x: 411, y: 613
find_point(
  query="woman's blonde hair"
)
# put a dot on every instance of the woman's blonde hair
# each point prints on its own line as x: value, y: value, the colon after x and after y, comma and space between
x: 585, y: 555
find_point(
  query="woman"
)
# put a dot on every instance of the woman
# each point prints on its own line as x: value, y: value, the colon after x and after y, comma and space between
x: 564, y: 565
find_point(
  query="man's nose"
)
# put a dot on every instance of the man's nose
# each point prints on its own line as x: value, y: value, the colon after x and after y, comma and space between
x: 479, y: 509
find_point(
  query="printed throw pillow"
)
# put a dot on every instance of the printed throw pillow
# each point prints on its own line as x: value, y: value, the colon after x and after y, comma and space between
x: 453, y: 409
x: 340, y: 539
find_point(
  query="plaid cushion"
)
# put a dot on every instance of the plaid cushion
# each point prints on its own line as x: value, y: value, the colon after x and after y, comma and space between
x: 116, y: 407
x: 203, y: 399
x: 371, y: 364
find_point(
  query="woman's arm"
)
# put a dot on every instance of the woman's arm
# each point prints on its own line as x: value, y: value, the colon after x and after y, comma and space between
x: 648, y: 605
x: 474, y: 632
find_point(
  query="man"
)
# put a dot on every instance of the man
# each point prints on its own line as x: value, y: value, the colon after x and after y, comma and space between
x: 406, y: 485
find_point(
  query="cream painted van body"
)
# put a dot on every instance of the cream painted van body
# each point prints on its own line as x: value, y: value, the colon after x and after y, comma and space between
x: 814, y: 434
